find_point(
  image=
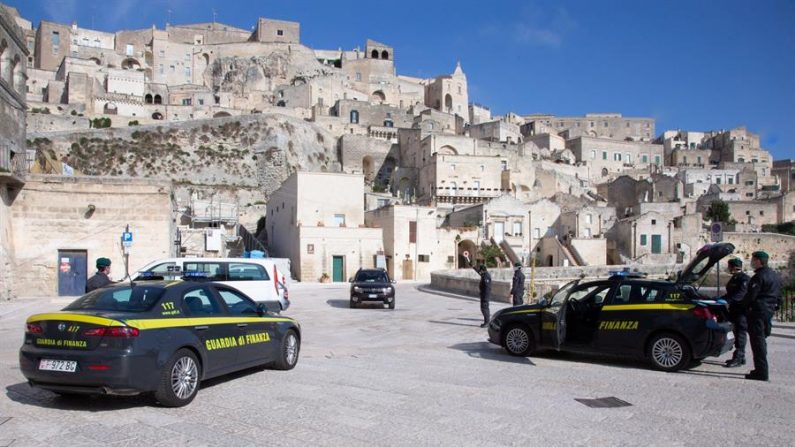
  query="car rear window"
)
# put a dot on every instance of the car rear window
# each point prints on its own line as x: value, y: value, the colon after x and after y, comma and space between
x: 125, y: 299
x: 371, y: 276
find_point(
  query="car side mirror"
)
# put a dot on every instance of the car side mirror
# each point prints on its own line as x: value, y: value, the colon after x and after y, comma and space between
x: 262, y: 309
x: 393, y: 281
x: 350, y: 279
x: 543, y: 302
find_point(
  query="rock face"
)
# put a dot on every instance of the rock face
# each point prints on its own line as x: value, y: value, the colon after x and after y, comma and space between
x: 242, y: 75
x: 254, y: 153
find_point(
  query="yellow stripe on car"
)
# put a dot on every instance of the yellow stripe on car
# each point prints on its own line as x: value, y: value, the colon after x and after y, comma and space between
x: 160, y: 323
x: 614, y: 307
x: 79, y: 318
x: 528, y: 311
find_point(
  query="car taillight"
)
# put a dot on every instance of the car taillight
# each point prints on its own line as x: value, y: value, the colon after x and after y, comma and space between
x: 116, y: 331
x: 704, y: 313
x: 33, y: 328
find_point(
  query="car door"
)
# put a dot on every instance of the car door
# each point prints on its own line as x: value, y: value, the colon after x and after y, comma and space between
x: 211, y: 325
x: 255, y: 333
x: 583, y: 311
x: 553, y: 318
x: 253, y: 280
x: 629, y: 316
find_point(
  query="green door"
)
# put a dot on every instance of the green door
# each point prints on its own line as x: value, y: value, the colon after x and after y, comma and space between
x: 656, y: 243
x: 336, y: 269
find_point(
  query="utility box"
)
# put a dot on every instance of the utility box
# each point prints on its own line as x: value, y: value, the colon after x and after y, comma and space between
x: 213, y: 239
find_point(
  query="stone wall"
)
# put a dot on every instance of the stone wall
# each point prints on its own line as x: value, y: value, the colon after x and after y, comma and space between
x: 86, y: 214
x: 48, y: 122
x: 465, y: 281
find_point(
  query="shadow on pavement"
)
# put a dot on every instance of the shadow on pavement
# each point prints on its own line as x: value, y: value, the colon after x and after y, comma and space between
x: 791, y: 337
x: 723, y: 375
x: 346, y: 304
x: 24, y: 394
x: 486, y: 351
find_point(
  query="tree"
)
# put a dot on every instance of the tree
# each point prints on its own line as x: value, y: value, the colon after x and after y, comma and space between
x: 719, y: 212
x: 491, y: 254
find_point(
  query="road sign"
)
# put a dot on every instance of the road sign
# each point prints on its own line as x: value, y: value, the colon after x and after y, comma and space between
x: 466, y: 253
x: 127, y: 239
x: 716, y: 232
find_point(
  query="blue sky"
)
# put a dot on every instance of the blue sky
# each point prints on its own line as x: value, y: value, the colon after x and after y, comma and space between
x: 696, y: 65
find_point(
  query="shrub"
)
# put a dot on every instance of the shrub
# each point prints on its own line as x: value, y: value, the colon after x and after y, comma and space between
x: 133, y: 123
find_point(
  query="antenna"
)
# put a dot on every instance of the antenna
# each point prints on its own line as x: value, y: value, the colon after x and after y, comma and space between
x: 214, y: 15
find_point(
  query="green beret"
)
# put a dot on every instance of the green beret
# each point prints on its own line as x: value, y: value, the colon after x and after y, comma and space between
x: 735, y: 262
x: 761, y: 255
x: 103, y: 262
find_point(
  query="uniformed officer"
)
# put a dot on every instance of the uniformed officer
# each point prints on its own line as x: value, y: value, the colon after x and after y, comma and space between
x: 764, y: 295
x: 736, y: 290
x: 102, y: 277
x: 517, y: 285
x: 485, y: 290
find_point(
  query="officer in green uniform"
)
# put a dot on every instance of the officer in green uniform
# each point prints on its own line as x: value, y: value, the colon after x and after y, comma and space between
x: 102, y: 277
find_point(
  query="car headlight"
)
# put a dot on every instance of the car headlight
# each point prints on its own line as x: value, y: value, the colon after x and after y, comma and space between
x: 357, y: 289
x: 386, y: 290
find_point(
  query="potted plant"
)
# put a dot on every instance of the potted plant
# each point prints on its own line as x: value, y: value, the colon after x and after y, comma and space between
x: 324, y: 278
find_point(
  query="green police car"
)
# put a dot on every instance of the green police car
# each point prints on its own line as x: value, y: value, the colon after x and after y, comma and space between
x: 154, y: 337
x: 669, y: 323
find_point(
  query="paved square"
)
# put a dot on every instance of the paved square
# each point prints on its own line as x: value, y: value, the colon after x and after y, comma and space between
x: 422, y: 374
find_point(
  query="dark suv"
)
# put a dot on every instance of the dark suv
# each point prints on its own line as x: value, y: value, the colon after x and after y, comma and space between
x: 372, y: 285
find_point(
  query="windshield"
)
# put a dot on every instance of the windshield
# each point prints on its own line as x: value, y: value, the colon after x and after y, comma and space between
x: 371, y: 276
x: 125, y: 299
x: 560, y: 295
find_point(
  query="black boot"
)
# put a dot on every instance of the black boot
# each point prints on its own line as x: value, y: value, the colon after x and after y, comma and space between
x: 734, y: 362
x: 754, y: 375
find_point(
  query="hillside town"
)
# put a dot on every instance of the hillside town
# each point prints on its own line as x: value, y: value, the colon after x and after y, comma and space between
x: 211, y: 140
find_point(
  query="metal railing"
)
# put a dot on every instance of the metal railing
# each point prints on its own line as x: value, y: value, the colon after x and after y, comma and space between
x: 786, y: 312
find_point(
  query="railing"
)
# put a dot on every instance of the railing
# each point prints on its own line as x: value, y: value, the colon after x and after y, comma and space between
x: 786, y: 312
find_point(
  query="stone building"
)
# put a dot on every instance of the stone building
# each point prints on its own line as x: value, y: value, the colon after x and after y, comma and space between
x: 606, y: 157
x: 598, y: 125
x: 785, y: 171
x: 449, y: 93
x: 317, y: 220
x: 61, y: 225
x: 13, y: 163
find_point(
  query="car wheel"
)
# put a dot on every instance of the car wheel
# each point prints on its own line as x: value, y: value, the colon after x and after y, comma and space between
x: 392, y: 304
x: 288, y: 353
x: 179, y: 380
x: 668, y: 352
x: 353, y: 304
x: 518, y: 341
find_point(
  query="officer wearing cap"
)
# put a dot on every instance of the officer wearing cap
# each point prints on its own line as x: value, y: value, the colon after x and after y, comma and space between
x: 764, y: 296
x: 736, y: 290
x: 102, y: 277
x: 517, y: 285
x: 484, y: 288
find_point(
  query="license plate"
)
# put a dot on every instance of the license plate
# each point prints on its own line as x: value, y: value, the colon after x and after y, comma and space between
x: 58, y: 365
x: 372, y: 295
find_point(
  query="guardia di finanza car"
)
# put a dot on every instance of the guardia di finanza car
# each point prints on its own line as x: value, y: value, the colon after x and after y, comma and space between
x: 667, y: 322
x: 154, y: 337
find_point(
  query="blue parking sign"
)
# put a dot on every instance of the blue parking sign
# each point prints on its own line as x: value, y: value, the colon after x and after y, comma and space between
x: 126, y: 237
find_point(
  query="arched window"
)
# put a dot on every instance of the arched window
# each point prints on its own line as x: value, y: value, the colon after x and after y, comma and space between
x: 378, y: 96
x: 374, y: 54
x: 157, y: 116
x: 110, y: 109
x: 354, y: 117
x: 148, y: 98
x: 448, y: 103
x: 281, y: 104
x: 388, y: 123
x: 385, y: 55
x: 158, y: 99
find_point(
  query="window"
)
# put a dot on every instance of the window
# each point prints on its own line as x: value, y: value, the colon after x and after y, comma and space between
x: 476, y: 186
x: 339, y: 220
x: 589, y: 218
x: 593, y: 155
x: 247, y: 272
x: 606, y: 124
x: 761, y: 213
x: 186, y: 101
x: 517, y: 228
x: 199, y: 302
x: 591, y: 123
x: 717, y: 180
x: 162, y: 53
x: 644, y: 158
x: 639, y: 294
x: 139, y: 299
x: 452, y: 166
x: 537, y: 233
x: 310, y: 249
x: 412, y: 232
x: 590, y: 293
x: 358, y: 76
x: 130, y: 49
x: 587, y: 232
x: 654, y: 221
x: 628, y: 157
x: 187, y: 72
x: 749, y: 183
x: 160, y: 69
x: 503, y: 165
x: 643, y: 240
x: 616, y: 156
x: 56, y: 38
x: 657, y: 160
x: 214, y: 270
x: 604, y: 155
x: 172, y: 68
x: 354, y: 117
x: 201, y: 102
x: 731, y: 180
x: 423, y: 258
x: 236, y: 304
x: 279, y: 32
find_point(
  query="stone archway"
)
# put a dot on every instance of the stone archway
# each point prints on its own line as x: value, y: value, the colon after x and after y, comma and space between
x: 374, y: 54
x: 368, y: 169
x: 130, y: 64
x: 378, y: 96
x: 448, y: 103
x: 447, y: 150
x: 385, y: 55
x: 221, y: 115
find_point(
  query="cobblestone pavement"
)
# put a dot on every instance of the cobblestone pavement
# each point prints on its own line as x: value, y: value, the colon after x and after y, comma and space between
x: 422, y: 374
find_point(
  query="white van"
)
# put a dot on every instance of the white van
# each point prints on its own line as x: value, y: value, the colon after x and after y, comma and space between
x: 259, y: 278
